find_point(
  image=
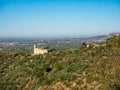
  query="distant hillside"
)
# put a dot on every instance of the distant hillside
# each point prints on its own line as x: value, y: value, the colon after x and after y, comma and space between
x: 99, y: 38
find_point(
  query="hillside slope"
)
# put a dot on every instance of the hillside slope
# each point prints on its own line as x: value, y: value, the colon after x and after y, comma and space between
x: 93, y: 67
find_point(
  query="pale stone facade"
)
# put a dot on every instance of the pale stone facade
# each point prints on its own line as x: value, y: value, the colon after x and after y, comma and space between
x: 38, y: 51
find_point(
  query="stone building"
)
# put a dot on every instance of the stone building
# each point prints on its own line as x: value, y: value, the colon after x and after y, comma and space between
x: 38, y: 51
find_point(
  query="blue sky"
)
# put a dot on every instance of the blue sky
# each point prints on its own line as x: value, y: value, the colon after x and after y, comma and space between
x: 52, y: 18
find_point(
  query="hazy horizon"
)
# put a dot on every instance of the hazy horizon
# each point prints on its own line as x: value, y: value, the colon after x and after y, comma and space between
x: 58, y: 18
x: 57, y: 36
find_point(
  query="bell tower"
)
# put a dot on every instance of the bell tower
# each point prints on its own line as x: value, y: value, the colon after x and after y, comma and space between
x: 34, y: 46
x: 34, y: 49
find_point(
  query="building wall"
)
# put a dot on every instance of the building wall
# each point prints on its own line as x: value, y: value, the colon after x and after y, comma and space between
x: 38, y: 51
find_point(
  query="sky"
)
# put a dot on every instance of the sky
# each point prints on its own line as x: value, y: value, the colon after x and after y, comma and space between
x: 58, y: 18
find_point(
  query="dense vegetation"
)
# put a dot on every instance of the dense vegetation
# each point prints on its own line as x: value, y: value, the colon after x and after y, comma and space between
x: 93, y: 67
